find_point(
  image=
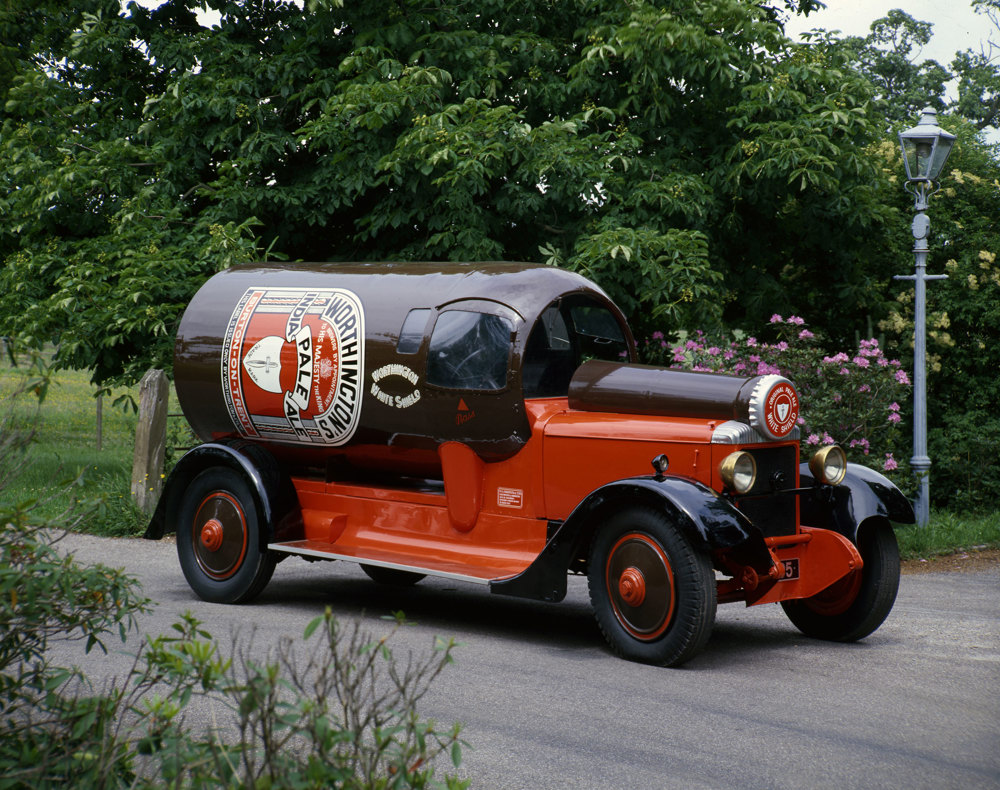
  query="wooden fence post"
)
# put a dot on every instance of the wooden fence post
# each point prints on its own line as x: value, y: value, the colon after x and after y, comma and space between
x: 150, y: 440
x: 100, y: 422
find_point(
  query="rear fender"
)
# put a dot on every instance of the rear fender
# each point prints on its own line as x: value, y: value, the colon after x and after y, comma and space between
x: 272, y: 490
x: 864, y: 493
x: 710, y: 522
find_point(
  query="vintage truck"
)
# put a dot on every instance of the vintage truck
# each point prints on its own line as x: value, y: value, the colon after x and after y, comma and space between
x: 489, y: 423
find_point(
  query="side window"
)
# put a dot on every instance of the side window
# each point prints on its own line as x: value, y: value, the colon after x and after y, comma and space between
x: 469, y: 351
x: 569, y: 332
x: 412, y: 332
x: 548, y: 357
x: 598, y: 334
x: 554, y: 327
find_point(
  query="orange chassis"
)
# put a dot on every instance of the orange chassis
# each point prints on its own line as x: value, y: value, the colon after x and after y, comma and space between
x: 491, y: 521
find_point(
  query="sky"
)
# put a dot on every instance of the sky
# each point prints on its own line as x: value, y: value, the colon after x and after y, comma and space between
x: 956, y: 26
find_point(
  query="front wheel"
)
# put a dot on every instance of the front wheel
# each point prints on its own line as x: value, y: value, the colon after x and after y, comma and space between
x: 219, y: 542
x: 653, y: 593
x: 856, y: 605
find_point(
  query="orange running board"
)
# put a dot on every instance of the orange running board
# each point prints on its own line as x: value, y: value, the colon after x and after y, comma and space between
x: 403, y: 561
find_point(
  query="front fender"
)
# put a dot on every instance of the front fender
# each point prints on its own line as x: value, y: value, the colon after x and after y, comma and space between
x: 709, y: 521
x: 864, y: 493
x: 274, y: 495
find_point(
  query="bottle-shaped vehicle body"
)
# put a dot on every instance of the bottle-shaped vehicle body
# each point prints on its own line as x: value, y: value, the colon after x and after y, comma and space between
x: 489, y: 423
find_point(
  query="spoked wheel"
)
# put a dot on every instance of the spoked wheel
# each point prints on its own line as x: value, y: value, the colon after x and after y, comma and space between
x: 219, y: 539
x: 392, y: 576
x: 653, y: 594
x: 856, y: 605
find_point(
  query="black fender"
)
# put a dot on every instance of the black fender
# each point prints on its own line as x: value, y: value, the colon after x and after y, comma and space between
x: 272, y: 489
x: 863, y: 494
x: 711, y: 522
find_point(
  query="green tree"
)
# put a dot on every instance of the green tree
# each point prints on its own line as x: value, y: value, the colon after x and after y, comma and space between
x: 687, y: 156
x: 979, y: 73
x: 100, y: 250
x: 889, y: 57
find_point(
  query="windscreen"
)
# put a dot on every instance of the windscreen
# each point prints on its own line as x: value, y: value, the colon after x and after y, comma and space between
x: 568, y: 333
x: 469, y: 351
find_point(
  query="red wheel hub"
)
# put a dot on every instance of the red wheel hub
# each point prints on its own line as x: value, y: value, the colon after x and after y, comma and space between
x: 220, y: 535
x: 211, y: 534
x: 640, y: 585
x: 632, y: 586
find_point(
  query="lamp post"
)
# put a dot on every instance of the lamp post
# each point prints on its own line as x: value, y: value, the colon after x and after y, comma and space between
x: 925, y: 150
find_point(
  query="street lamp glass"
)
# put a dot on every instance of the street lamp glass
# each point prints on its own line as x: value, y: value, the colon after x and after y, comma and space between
x: 926, y: 147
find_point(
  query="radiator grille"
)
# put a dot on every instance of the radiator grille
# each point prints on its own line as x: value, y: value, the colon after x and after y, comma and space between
x: 773, y: 513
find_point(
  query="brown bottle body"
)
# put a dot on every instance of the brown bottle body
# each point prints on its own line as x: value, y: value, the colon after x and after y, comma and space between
x: 307, y: 358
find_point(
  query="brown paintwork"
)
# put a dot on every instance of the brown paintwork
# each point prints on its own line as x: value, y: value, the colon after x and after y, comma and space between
x: 641, y: 389
x: 492, y: 423
x: 769, y: 403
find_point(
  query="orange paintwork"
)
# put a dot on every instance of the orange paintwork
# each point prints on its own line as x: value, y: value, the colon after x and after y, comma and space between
x: 490, y: 533
x: 585, y: 450
x: 414, y: 529
x: 824, y: 557
x: 489, y: 520
x: 463, y: 472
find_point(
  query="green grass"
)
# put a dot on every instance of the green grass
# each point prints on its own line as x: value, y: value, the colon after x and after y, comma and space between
x: 947, y: 533
x: 63, y: 464
x: 66, y: 449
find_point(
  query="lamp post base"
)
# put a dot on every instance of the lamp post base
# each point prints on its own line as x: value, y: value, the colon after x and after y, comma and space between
x: 921, y: 466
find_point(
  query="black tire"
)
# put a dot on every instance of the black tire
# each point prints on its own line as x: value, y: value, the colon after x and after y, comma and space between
x: 653, y: 593
x: 392, y: 577
x: 219, y: 540
x: 853, y: 607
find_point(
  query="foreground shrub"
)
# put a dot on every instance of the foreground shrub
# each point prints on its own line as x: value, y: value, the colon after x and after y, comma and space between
x: 340, y: 714
x: 851, y: 399
x: 50, y: 731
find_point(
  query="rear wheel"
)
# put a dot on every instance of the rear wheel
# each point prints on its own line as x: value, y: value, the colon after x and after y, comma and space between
x: 856, y: 605
x: 653, y: 593
x: 392, y: 577
x: 219, y: 540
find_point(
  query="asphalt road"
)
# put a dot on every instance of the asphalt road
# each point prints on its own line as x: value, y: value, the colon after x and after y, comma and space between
x: 545, y: 705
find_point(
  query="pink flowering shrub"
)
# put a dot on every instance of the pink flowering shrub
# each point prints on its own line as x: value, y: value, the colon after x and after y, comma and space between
x: 851, y: 399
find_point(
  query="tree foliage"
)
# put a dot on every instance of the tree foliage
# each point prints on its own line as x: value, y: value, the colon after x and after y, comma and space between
x: 100, y: 248
x: 687, y: 156
x: 979, y: 72
x: 889, y: 57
